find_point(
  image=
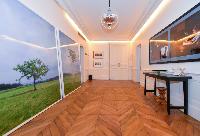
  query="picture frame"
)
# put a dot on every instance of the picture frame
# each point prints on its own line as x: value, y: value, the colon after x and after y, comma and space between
x: 98, y: 63
x: 98, y: 54
x: 181, y: 40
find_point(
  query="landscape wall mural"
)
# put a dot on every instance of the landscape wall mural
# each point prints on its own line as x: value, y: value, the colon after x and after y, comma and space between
x: 180, y: 41
x: 29, y: 80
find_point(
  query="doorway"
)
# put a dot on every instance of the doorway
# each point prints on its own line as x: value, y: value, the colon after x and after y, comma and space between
x: 82, y: 53
x: 118, y: 62
x: 138, y: 63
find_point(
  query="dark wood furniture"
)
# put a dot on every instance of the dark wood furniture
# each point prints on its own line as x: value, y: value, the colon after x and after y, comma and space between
x: 162, y: 95
x: 168, y: 78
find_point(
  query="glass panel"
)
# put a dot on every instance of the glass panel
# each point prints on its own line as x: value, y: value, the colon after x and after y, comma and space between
x: 71, y: 63
x: 25, y: 39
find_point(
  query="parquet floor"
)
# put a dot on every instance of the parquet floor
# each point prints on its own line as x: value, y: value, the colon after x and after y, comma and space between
x: 110, y: 108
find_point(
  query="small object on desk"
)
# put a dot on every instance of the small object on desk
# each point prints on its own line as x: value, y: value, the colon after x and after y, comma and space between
x: 178, y: 71
x: 159, y: 71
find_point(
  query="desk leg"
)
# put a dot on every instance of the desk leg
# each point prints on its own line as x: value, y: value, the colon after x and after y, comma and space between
x: 155, y: 87
x: 168, y: 96
x: 145, y: 82
x: 185, y: 90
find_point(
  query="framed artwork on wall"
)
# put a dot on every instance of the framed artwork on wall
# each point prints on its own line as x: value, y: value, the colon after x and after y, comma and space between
x: 179, y: 41
x: 98, y: 54
x: 159, y: 48
x: 98, y: 63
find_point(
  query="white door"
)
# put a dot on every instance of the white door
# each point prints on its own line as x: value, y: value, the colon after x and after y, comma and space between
x: 119, y: 62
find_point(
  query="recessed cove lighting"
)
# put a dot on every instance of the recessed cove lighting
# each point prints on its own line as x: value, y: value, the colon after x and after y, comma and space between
x: 152, y: 18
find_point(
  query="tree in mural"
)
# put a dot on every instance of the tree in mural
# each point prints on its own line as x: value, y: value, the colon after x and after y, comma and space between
x: 73, y: 58
x: 34, y: 69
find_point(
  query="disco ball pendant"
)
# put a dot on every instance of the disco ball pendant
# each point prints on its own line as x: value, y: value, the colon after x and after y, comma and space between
x: 109, y: 20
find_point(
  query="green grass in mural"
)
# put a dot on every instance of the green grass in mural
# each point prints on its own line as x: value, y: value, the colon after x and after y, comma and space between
x: 19, y: 104
x: 71, y: 83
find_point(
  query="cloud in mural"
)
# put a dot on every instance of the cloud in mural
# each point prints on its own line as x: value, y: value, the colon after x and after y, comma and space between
x: 32, y: 38
x: 30, y: 27
x: 13, y: 54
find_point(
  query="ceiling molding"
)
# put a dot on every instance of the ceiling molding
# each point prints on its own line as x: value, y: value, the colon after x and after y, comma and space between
x: 87, y: 18
x: 77, y: 18
x: 144, y: 17
x: 71, y: 21
x: 151, y: 19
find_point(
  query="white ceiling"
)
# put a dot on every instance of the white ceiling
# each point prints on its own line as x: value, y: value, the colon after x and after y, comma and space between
x: 87, y: 15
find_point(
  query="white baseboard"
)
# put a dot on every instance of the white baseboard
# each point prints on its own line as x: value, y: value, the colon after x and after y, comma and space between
x: 193, y: 111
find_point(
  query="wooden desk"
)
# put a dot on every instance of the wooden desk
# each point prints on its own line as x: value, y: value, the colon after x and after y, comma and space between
x: 168, y: 78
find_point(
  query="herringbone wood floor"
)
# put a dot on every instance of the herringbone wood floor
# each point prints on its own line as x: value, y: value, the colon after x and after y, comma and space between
x: 110, y: 108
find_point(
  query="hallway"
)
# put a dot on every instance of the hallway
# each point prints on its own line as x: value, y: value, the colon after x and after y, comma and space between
x: 110, y: 108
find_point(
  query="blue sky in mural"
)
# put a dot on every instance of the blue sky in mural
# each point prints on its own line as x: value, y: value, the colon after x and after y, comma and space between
x: 30, y: 27
x: 12, y: 54
x: 64, y: 40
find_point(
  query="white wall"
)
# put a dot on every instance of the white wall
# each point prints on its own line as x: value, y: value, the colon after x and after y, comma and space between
x: 51, y: 12
x: 103, y: 73
x: 173, y: 10
x: 99, y: 73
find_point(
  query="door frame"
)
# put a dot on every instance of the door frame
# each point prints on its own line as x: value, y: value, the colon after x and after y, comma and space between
x: 109, y: 60
x: 82, y: 55
x: 138, y: 63
x: 109, y: 46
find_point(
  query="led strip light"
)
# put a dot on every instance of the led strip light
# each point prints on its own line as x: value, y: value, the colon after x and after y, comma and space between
x: 150, y: 20
x: 5, y: 37
x: 153, y: 16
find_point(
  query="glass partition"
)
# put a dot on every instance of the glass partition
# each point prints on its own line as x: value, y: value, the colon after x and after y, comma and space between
x: 70, y: 62
x: 29, y: 58
x: 29, y: 80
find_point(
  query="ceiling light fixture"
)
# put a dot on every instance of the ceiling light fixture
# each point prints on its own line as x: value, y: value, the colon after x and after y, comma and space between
x: 109, y: 20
